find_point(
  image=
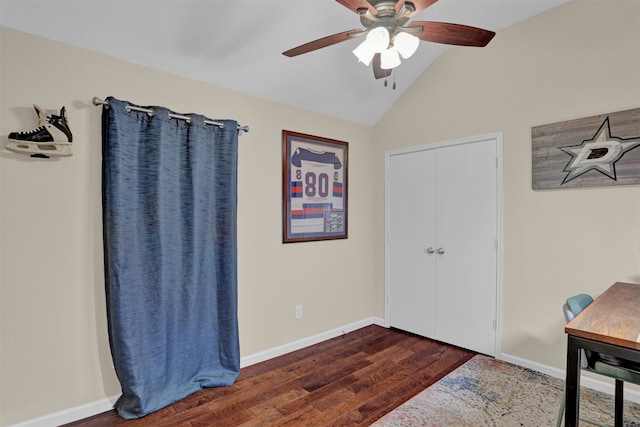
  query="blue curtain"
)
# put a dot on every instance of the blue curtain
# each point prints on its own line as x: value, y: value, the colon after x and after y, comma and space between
x: 170, y: 248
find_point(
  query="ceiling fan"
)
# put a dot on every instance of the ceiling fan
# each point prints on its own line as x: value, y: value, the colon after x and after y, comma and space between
x: 389, y: 35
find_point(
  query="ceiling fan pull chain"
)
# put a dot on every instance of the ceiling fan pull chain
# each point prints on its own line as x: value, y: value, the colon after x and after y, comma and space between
x: 386, y: 82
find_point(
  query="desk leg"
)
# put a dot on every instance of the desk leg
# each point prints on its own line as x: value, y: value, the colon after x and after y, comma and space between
x: 619, y: 402
x: 572, y: 384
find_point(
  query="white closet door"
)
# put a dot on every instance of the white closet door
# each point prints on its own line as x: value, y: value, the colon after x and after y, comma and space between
x: 412, y: 231
x: 467, y: 233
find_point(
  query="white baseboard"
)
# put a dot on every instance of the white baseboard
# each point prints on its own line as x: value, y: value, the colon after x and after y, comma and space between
x: 306, y: 342
x: 104, y: 405
x: 592, y: 383
x: 72, y: 414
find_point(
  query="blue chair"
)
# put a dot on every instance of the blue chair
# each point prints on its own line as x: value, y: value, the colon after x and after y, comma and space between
x: 620, y: 370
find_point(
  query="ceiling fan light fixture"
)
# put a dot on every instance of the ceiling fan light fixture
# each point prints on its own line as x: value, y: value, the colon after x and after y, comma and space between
x: 406, y: 44
x: 389, y: 59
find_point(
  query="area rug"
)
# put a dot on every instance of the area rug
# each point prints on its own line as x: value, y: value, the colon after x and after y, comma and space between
x: 488, y: 392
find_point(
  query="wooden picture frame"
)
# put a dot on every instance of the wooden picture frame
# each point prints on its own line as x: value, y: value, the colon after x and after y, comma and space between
x: 315, y: 188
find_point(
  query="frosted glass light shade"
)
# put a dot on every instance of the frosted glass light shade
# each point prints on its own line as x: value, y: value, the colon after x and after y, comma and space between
x: 364, y: 52
x: 378, y: 39
x: 389, y: 59
x: 406, y: 44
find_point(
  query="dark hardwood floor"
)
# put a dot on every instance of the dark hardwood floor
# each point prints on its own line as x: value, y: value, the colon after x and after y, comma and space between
x: 351, y: 380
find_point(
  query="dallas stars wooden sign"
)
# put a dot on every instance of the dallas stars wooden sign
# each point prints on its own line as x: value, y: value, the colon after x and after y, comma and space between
x: 595, y: 151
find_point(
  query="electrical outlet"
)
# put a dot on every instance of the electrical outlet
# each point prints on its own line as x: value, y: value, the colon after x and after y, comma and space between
x: 298, y: 312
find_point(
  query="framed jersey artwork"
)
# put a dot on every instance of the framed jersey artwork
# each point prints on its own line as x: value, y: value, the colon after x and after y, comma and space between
x: 315, y: 175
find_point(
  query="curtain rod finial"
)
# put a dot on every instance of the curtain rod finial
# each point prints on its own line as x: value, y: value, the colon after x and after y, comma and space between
x: 97, y: 101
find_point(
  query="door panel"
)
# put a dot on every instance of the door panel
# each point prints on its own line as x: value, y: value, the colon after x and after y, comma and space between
x: 467, y: 232
x: 412, y: 229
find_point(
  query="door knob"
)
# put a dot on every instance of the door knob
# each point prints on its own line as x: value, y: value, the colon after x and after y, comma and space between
x: 440, y: 251
x: 429, y: 251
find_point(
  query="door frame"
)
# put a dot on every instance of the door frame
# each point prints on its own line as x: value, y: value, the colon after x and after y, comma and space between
x: 497, y: 136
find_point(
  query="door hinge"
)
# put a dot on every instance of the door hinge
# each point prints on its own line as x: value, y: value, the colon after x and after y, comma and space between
x: 495, y: 244
x: 494, y: 324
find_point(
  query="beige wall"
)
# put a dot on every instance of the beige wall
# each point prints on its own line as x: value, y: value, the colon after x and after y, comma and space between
x: 54, y: 348
x: 577, y: 60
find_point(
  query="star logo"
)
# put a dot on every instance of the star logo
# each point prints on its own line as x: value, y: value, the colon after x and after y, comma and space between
x: 599, y: 153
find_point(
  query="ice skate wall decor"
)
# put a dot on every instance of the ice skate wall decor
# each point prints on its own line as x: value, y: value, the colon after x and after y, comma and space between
x: 50, y: 138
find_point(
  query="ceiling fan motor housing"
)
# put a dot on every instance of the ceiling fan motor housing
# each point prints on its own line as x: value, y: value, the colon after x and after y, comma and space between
x: 386, y: 16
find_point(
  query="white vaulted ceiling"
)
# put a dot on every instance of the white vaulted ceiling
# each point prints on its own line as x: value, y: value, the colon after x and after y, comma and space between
x: 238, y: 44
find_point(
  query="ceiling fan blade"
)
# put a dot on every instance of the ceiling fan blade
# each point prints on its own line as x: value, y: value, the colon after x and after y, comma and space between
x: 378, y: 71
x: 354, y: 5
x: 456, y: 34
x: 420, y: 5
x: 320, y: 43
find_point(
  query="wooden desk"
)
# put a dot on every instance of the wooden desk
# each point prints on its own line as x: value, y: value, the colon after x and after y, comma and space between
x: 610, y: 325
